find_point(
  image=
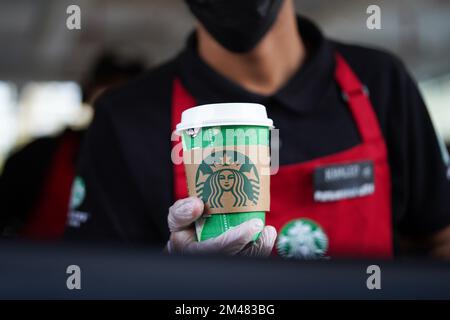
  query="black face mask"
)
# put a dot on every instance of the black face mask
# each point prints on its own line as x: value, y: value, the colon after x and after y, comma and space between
x: 238, y: 25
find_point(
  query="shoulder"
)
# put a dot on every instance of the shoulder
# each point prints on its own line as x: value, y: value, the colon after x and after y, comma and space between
x: 129, y: 116
x: 129, y: 109
x: 36, y: 149
x: 17, y: 168
x: 393, y: 91
x: 372, y: 64
x: 148, y: 90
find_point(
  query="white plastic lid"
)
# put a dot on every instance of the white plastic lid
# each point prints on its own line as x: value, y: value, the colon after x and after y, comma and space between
x: 224, y: 114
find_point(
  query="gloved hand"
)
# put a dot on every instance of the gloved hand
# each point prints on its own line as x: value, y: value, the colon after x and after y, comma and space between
x: 236, y: 241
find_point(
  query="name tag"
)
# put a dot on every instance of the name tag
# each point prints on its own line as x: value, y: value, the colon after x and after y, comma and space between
x: 344, y: 181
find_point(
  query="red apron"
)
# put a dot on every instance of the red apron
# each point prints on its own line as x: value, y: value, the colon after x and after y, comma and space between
x: 48, y: 219
x: 356, y: 227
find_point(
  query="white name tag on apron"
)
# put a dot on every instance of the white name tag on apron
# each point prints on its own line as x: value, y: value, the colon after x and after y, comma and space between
x: 344, y: 181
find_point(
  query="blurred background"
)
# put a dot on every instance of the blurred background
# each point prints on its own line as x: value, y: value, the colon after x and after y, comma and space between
x: 43, y: 65
x: 50, y: 75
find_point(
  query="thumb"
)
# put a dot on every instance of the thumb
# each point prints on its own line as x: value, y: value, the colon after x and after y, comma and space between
x: 183, y: 213
x: 264, y: 245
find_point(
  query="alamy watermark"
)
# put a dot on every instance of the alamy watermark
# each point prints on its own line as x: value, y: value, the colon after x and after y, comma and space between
x: 73, y: 281
x: 373, y: 22
x: 73, y: 21
x: 208, y: 142
x: 373, y: 282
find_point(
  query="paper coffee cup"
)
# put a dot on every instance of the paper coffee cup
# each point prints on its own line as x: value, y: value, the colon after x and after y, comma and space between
x: 227, y: 160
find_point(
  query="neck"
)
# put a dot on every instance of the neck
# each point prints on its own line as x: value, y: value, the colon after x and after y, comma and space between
x: 267, y: 67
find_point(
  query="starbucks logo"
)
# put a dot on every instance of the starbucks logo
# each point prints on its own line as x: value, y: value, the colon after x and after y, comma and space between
x: 78, y: 193
x: 302, y: 239
x: 228, y: 174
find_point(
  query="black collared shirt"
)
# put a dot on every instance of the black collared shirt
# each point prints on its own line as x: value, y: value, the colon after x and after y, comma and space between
x: 126, y: 164
x: 307, y: 110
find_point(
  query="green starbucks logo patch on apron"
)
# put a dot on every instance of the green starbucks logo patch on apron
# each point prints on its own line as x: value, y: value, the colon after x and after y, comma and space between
x: 302, y: 239
x: 78, y: 193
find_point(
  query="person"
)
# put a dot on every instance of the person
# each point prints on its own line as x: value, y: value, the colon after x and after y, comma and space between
x: 34, y: 197
x: 361, y: 172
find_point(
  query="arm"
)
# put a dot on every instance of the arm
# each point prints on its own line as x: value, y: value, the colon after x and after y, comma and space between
x: 423, y: 160
x: 439, y: 244
x: 21, y: 183
x: 107, y: 198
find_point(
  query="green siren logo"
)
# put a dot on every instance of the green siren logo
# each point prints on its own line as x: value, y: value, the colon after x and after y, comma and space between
x: 227, y: 173
x: 302, y: 239
x: 78, y: 193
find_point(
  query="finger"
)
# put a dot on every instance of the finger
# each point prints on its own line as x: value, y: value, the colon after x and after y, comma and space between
x: 180, y: 240
x: 264, y: 245
x: 183, y: 213
x: 232, y: 241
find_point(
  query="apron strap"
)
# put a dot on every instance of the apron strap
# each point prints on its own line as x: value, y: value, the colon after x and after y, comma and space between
x: 353, y: 91
x: 181, y: 100
x: 357, y: 97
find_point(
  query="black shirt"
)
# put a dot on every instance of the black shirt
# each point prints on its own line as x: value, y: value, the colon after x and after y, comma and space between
x: 126, y: 159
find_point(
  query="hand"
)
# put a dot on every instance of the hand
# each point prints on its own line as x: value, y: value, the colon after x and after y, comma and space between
x: 237, y: 240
